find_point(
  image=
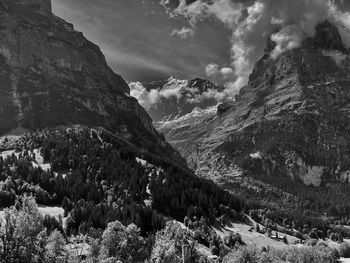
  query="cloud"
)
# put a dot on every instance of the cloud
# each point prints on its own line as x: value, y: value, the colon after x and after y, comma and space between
x: 212, y: 69
x: 219, y: 75
x: 226, y: 72
x: 144, y: 97
x: 288, y: 38
x: 183, y: 33
x: 177, y: 89
x: 252, y: 22
x: 150, y: 98
x: 219, y: 96
x: 214, y: 72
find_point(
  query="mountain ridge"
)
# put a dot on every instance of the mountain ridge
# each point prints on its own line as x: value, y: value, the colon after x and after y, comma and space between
x: 179, y: 97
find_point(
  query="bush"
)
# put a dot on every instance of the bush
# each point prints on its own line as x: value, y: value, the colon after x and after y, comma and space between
x: 333, y: 237
x: 344, y: 250
x: 313, y: 234
x: 311, y: 242
x: 246, y: 254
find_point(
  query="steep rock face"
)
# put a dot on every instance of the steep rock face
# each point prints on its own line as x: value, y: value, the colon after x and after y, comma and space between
x: 292, y: 119
x: 180, y: 97
x: 42, y: 6
x: 328, y: 37
x: 52, y: 75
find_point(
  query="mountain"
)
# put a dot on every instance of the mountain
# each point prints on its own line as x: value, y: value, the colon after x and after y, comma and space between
x: 294, y: 111
x: 180, y: 97
x: 288, y: 127
x: 51, y: 75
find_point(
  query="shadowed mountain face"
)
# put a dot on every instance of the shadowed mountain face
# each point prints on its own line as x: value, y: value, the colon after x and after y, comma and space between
x: 292, y: 119
x: 51, y: 75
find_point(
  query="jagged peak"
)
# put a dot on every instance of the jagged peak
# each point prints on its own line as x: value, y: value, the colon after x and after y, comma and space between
x: 327, y: 36
x: 170, y: 78
x: 199, y: 81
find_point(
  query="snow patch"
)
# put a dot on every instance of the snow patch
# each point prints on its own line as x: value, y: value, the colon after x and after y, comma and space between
x: 141, y: 161
x: 256, y: 155
x: 197, y: 113
x: 144, y: 163
x: 9, y: 153
x: 345, y: 176
x: 310, y: 175
x: 38, y: 162
x: 39, y: 159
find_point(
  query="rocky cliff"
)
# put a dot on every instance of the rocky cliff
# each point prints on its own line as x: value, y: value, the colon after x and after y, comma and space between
x: 51, y: 75
x: 291, y: 120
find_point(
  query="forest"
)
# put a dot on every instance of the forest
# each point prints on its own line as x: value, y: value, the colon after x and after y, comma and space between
x: 97, y: 181
x: 103, y: 185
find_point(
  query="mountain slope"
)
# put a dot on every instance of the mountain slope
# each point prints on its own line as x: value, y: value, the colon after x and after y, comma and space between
x: 51, y: 75
x: 295, y: 111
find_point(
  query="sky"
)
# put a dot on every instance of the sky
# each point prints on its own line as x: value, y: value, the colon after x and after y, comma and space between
x: 220, y: 40
x: 142, y: 43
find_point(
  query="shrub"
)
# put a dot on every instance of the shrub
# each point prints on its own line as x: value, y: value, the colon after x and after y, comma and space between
x: 214, y: 251
x: 247, y: 254
x: 313, y: 234
x: 333, y: 237
x: 311, y: 242
x: 344, y: 250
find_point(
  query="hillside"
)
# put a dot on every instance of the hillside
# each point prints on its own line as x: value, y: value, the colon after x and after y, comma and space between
x: 96, y: 179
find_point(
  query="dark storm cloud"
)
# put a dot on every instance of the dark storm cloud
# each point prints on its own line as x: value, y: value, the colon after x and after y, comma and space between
x: 141, y: 42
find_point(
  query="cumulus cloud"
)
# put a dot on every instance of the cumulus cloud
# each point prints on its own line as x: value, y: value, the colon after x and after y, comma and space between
x: 178, y: 90
x: 150, y: 98
x: 226, y: 72
x: 219, y: 96
x: 252, y: 22
x: 288, y: 38
x: 144, y: 97
x: 212, y: 69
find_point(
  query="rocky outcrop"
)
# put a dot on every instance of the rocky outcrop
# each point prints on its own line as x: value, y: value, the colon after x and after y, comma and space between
x: 328, y: 37
x: 224, y: 107
x: 51, y: 75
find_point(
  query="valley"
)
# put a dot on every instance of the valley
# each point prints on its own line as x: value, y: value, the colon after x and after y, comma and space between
x: 95, y: 168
